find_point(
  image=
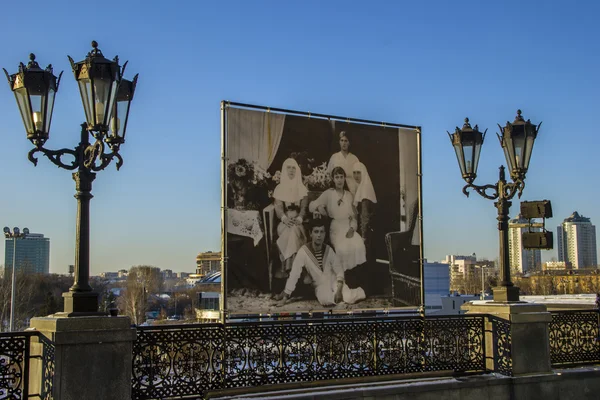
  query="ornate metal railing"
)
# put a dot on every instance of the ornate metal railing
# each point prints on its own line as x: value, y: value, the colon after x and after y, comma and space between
x: 15, y: 361
x: 574, y: 338
x: 501, y: 344
x: 47, y: 359
x: 190, y: 360
x: 14, y: 365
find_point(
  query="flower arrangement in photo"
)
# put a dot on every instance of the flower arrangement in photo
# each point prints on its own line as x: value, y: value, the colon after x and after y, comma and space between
x: 261, y: 178
x: 305, y: 163
x: 250, y: 185
x: 319, y: 179
x: 241, y: 170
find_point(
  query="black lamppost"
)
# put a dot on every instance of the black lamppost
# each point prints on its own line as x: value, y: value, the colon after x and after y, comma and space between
x: 517, y: 140
x: 106, y: 98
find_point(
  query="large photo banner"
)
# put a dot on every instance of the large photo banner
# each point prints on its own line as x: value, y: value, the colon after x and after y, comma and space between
x: 320, y: 213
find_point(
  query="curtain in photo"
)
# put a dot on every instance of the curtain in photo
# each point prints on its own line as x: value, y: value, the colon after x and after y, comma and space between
x: 253, y: 135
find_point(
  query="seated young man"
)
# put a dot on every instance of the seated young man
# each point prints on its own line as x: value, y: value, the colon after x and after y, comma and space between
x: 323, y: 266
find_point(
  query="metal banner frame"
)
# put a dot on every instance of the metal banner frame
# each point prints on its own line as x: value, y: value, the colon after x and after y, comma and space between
x: 225, y: 105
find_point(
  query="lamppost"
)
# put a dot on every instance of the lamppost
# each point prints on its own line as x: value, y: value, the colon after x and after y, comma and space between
x: 482, y: 269
x: 517, y: 140
x: 106, y: 97
x: 15, y: 234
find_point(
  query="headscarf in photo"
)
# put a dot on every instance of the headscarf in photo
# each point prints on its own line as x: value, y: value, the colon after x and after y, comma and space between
x: 365, y: 187
x: 290, y: 190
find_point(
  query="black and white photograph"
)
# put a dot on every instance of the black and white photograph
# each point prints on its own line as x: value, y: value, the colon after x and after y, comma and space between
x: 320, y: 213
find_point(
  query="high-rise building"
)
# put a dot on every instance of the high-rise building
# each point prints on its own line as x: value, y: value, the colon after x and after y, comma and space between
x: 521, y: 259
x: 208, y: 262
x: 437, y: 278
x: 32, y: 256
x: 577, y: 242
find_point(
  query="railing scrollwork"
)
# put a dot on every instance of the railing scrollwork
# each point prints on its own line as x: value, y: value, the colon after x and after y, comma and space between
x: 170, y: 362
x: 574, y: 338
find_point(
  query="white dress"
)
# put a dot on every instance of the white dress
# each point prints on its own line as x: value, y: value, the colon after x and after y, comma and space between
x: 351, y: 251
x: 324, y: 278
x: 290, y: 192
x: 347, y: 163
x: 291, y: 238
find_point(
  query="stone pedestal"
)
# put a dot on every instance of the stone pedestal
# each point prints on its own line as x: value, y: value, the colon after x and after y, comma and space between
x: 81, y: 304
x: 530, y: 343
x: 506, y: 293
x: 93, y: 356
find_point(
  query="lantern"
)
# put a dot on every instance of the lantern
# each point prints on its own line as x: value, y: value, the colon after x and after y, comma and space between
x: 34, y: 90
x: 120, y: 113
x: 467, y: 145
x: 98, y: 80
x: 517, y: 141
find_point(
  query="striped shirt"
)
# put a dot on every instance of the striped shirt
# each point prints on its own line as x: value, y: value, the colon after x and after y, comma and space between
x: 319, y: 257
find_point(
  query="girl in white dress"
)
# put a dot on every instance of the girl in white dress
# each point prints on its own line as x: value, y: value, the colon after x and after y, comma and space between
x: 336, y: 203
x: 364, y: 202
x: 346, y: 160
x: 291, y: 197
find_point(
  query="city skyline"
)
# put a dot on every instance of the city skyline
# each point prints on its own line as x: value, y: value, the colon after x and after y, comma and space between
x: 414, y: 64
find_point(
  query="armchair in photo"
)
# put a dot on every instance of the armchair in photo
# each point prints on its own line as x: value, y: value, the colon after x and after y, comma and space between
x: 404, y: 263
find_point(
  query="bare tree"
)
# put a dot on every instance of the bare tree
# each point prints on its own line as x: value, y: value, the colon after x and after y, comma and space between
x: 35, y: 295
x: 5, y: 288
x: 142, y: 280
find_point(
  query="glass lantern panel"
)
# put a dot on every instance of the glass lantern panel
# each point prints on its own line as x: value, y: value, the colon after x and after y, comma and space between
x: 468, y: 154
x: 124, y: 113
x: 49, y: 109
x: 509, y: 152
x: 85, y: 88
x: 102, y: 100
x: 23, y: 103
x: 519, y: 145
x: 508, y: 158
x: 528, y: 149
x: 459, y: 156
x: 37, y: 110
x: 119, y: 119
x: 112, y: 98
x: 477, y: 152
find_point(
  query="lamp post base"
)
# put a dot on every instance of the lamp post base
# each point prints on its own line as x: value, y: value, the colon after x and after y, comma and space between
x: 92, y: 357
x: 81, y: 304
x: 503, y: 294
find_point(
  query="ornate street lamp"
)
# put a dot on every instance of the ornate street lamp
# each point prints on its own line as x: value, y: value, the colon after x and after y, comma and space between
x: 15, y: 234
x: 106, y: 99
x: 517, y: 140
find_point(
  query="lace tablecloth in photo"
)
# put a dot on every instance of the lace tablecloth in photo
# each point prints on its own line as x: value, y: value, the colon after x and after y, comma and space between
x: 245, y: 223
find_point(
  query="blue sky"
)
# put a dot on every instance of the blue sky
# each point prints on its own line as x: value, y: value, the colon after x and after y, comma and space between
x: 420, y: 63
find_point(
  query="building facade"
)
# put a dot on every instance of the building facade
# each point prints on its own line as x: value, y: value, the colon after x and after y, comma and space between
x: 436, y: 278
x: 522, y: 260
x: 32, y: 256
x: 556, y: 266
x: 576, y: 239
x: 461, y: 267
x: 208, y: 262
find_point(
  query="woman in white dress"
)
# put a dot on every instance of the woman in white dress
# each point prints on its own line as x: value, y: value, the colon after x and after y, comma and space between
x: 364, y: 201
x: 291, y: 198
x: 346, y: 160
x: 337, y: 203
